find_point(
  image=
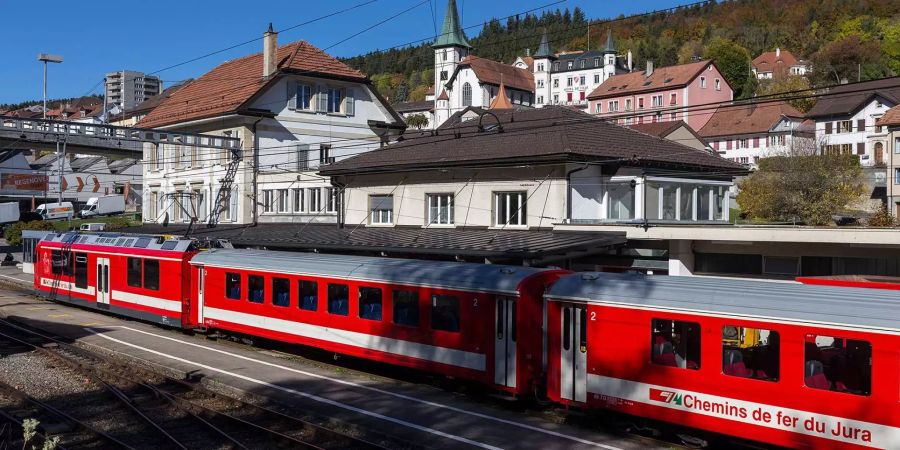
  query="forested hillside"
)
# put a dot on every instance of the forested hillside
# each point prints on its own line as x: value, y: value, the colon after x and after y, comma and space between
x: 844, y: 39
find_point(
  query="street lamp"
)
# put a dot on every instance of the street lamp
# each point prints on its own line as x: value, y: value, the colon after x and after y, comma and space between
x: 45, y: 58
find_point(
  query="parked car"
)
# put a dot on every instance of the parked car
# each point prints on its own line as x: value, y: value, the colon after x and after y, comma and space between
x: 56, y: 211
x: 104, y: 206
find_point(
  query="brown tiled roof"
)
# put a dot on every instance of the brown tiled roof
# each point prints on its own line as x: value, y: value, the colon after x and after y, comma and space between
x: 661, y: 129
x: 549, y: 134
x: 733, y: 120
x: 443, y: 95
x: 493, y: 72
x: 890, y: 118
x: 848, y: 98
x: 224, y: 89
x: 661, y: 78
x: 769, y: 62
x: 529, y: 61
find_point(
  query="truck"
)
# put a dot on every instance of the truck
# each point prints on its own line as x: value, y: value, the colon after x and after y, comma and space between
x: 104, y: 206
x: 9, y: 212
x: 56, y: 211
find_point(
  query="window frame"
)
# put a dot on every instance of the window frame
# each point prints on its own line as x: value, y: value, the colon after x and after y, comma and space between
x: 380, y: 216
x: 521, y: 211
x: 275, y: 290
x: 435, y: 297
x: 341, y: 286
x: 737, y: 344
x: 365, y: 291
x: 301, y: 298
x: 844, y: 341
x: 261, y: 282
x: 680, y: 327
x: 230, y: 284
x: 396, y: 300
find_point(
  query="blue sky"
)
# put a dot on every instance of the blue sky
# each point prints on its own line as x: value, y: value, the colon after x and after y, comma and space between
x: 150, y: 36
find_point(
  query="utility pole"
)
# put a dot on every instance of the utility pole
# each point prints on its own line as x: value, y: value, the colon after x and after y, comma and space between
x: 45, y: 58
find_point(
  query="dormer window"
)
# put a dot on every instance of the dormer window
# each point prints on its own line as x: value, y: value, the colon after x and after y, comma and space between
x: 556, y: 66
x: 569, y: 65
x: 445, y: 54
x: 596, y: 62
x: 582, y: 64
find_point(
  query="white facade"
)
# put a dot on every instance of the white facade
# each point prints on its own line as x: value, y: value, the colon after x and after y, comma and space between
x: 291, y: 145
x: 857, y: 133
x: 569, y: 79
x: 748, y: 149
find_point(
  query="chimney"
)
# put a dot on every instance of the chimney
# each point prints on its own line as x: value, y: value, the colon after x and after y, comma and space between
x: 649, y: 68
x: 630, y: 67
x: 777, y: 52
x: 528, y: 52
x: 270, y: 48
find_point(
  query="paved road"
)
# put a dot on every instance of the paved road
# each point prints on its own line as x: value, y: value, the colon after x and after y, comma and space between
x: 418, y: 413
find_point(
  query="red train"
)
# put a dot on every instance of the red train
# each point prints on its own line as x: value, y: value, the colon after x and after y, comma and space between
x: 793, y: 365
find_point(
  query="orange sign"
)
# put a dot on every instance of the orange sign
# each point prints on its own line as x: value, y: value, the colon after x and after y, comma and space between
x: 23, y: 182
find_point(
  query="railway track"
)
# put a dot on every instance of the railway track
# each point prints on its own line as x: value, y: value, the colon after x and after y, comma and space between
x: 177, y: 413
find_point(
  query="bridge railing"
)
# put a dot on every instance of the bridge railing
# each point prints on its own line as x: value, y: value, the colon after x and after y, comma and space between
x: 105, y: 136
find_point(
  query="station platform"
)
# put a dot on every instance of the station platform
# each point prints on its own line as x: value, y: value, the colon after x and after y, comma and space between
x: 413, y: 412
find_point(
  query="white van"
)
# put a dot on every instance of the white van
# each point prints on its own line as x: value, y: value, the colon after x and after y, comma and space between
x: 56, y: 211
x: 104, y: 206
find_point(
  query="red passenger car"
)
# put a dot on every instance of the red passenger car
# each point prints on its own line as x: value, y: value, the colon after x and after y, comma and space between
x: 472, y: 321
x: 134, y: 276
x: 793, y: 365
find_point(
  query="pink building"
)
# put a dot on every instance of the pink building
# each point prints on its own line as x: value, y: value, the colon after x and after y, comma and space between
x: 688, y: 92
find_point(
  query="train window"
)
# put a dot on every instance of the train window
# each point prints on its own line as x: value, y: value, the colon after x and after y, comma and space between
x: 133, y: 271
x: 309, y: 295
x: 255, y: 289
x: 338, y: 299
x: 675, y: 343
x: 151, y: 274
x: 169, y: 245
x: 750, y: 353
x: 281, y: 292
x: 406, y: 307
x: 61, y: 265
x: 370, y: 303
x: 444, y: 312
x: 81, y: 270
x: 233, y: 286
x: 838, y: 364
x: 142, y: 243
x: 567, y: 329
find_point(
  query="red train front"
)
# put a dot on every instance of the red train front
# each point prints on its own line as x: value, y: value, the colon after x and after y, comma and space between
x: 134, y: 276
x: 798, y: 366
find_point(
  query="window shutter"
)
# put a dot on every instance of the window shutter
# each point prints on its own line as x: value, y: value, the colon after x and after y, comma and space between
x: 321, y: 100
x: 860, y: 148
x: 350, y: 107
x: 827, y: 127
x: 861, y: 125
x: 292, y: 95
x: 756, y: 142
x: 728, y: 144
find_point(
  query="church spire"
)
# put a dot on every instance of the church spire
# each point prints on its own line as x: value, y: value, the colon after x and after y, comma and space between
x: 610, y: 45
x: 543, y: 50
x: 452, y: 34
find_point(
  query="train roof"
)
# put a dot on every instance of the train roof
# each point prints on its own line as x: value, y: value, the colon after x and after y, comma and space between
x: 121, y: 240
x: 442, y: 274
x: 759, y: 300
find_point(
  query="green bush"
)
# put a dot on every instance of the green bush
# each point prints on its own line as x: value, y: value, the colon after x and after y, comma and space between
x: 13, y: 233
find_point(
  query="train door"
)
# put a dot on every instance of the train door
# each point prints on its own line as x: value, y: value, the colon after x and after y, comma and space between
x: 505, y: 342
x: 573, y: 351
x: 201, y: 276
x: 103, y: 281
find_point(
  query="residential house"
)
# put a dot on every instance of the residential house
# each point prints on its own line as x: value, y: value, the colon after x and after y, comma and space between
x: 567, y: 78
x: 890, y: 123
x: 532, y: 169
x: 425, y: 108
x: 746, y: 133
x: 687, y: 92
x: 294, y: 109
x: 676, y: 131
x: 846, y: 119
x: 778, y: 64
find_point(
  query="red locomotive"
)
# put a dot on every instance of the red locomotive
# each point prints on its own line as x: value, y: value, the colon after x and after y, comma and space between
x: 793, y: 365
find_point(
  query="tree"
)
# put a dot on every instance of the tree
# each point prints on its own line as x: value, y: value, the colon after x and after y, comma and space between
x: 801, y: 187
x: 787, y: 86
x: 848, y: 58
x: 733, y: 61
x: 417, y: 121
x: 689, y: 50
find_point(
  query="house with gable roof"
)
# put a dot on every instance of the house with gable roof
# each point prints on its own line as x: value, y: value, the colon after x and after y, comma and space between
x: 294, y: 109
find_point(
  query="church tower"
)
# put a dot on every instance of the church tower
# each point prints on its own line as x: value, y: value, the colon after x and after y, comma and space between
x: 450, y: 48
x: 609, y: 56
x: 543, y: 59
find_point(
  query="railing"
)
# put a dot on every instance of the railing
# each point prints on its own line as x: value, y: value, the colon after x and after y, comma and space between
x: 106, y: 136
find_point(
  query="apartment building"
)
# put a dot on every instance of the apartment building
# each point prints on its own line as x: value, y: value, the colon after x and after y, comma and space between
x: 127, y: 88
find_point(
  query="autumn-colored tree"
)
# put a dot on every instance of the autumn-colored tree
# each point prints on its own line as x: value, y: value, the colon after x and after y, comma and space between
x: 789, y: 87
x: 802, y: 187
x: 417, y: 121
x: 733, y: 61
x: 418, y: 94
x: 850, y: 58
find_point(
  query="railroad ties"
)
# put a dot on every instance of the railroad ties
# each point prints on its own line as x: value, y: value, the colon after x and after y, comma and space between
x: 126, y: 406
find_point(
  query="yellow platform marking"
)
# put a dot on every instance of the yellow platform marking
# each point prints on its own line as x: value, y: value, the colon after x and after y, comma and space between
x: 57, y: 316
